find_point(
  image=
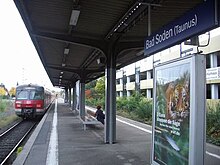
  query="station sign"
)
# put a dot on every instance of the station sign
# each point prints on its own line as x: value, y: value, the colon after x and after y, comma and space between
x: 178, y: 130
x: 195, y: 22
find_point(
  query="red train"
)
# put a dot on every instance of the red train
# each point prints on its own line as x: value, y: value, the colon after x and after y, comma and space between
x: 31, y: 101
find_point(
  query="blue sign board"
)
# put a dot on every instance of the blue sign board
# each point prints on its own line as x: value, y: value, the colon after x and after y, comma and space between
x: 195, y: 22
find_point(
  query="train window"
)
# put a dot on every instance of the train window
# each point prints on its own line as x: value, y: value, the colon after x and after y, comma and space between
x: 36, y: 95
x: 21, y: 95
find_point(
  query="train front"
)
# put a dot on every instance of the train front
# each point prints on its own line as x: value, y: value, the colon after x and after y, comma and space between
x: 29, y: 101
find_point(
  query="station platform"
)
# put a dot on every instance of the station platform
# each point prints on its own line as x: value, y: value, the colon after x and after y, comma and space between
x: 60, y: 139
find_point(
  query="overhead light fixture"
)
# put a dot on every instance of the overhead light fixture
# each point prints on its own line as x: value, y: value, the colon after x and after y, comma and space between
x: 66, y: 51
x: 101, y: 60
x: 61, y: 72
x: 61, y: 76
x: 118, y: 64
x: 63, y: 64
x: 74, y: 17
x: 98, y: 61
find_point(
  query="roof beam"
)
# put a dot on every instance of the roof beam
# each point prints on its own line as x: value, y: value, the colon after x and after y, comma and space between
x: 77, y: 71
x: 88, y: 42
x: 63, y: 79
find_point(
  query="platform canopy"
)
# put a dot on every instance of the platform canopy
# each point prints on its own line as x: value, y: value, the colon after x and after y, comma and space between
x: 72, y: 37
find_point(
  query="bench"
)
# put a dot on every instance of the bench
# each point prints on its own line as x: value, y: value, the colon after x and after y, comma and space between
x: 89, y: 119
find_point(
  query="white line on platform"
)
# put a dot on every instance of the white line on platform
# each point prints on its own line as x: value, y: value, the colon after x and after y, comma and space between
x: 52, y: 153
x: 143, y: 129
x: 214, y: 155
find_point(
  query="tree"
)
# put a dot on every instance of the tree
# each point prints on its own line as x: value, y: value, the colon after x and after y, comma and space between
x: 12, y: 91
x: 2, y: 91
x: 91, y: 85
x: 100, y: 86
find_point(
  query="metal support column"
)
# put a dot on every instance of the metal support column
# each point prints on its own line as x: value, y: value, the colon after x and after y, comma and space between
x: 128, y: 81
x: 74, y: 97
x: 121, y: 83
x: 148, y: 90
x: 82, y: 99
x: 66, y: 95
x: 149, y: 33
x: 149, y: 20
x: 214, y: 87
x: 137, y: 79
x: 110, y: 102
x: 70, y: 96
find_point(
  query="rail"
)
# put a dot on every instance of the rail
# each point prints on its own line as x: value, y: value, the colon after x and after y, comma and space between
x: 12, y: 138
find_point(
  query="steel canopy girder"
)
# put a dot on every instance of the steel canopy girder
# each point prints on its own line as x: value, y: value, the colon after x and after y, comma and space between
x: 86, y: 42
x: 101, y: 45
x: 79, y: 72
x: 66, y: 80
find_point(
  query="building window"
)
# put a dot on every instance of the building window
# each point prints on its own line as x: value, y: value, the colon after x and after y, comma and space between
x: 218, y: 91
x: 152, y: 93
x: 143, y: 76
x: 117, y: 81
x: 218, y: 60
x: 132, y: 78
x: 151, y: 73
x: 208, y: 61
x: 208, y: 91
x: 143, y: 92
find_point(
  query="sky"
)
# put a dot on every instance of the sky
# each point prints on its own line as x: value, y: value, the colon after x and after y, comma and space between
x: 19, y: 61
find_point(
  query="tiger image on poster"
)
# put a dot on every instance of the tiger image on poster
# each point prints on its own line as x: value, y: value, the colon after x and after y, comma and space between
x: 177, y: 100
x: 169, y: 100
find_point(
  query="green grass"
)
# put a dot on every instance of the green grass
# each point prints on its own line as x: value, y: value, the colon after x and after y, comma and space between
x: 7, y: 120
x: 3, y: 105
x: 19, y: 150
x: 6, y: 117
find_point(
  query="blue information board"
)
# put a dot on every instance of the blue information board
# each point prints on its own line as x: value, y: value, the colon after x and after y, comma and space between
x: 197, y: 21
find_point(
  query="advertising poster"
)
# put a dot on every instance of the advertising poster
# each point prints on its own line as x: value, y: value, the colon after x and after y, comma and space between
x: 172, y: 113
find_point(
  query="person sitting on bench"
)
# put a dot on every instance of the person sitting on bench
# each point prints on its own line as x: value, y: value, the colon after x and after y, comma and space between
x: 100, y: 115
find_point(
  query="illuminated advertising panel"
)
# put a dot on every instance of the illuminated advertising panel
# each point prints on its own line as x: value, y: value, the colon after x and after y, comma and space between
x: 174, y: 119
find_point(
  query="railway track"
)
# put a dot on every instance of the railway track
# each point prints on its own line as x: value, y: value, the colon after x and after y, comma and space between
x: 12, y: 138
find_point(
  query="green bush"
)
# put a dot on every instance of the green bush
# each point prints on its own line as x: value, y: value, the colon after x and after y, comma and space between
x: 3, y: 105
x: 19, y: 150
x: 121, y: 103
x: 94, y: 102
x: 213, y: 124
x: 132, y: 103
x: 144, y: 110
x: 135, y: 107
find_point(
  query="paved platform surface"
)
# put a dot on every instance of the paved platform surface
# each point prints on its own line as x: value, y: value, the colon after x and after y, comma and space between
x: 60, y: 139
x: 84, y: 147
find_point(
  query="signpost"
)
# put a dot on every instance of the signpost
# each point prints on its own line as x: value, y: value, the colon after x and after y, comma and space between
x: 197, y: 21
x: 179, y: 112
x: 180, y: 90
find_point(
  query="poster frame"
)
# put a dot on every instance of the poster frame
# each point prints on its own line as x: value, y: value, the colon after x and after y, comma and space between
x: 197, y: 118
